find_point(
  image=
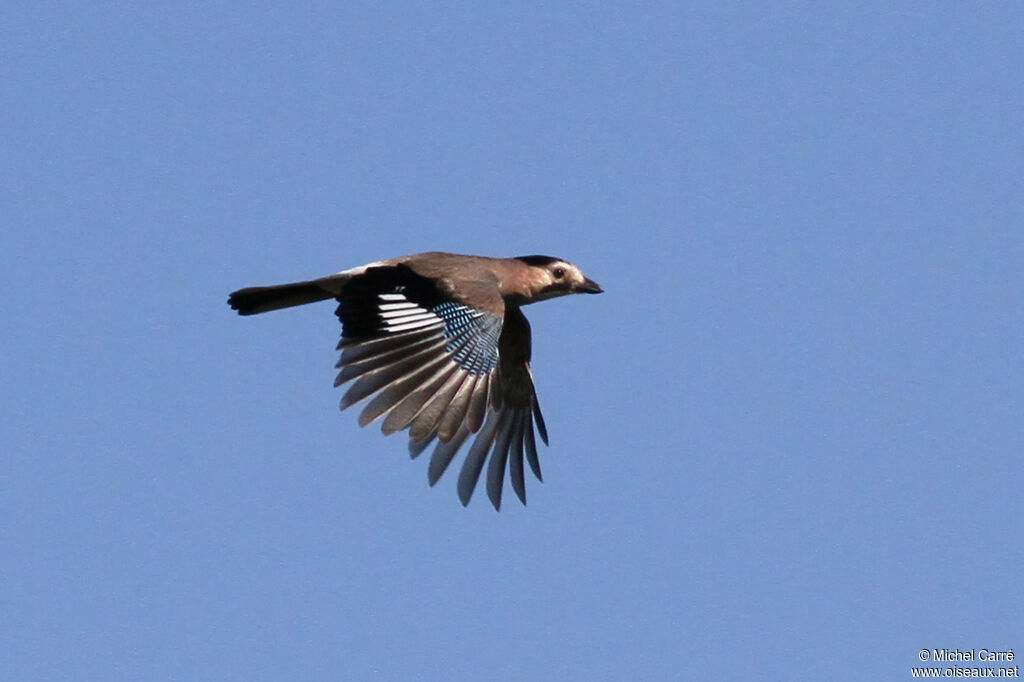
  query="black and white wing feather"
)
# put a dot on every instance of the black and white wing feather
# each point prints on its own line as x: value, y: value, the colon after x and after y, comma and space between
x: 445, y: 370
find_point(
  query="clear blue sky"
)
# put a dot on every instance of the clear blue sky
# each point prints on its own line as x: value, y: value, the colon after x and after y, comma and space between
x: 785, y: 444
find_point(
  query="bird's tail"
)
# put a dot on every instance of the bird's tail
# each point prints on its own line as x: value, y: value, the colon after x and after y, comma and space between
x: 253, y: 300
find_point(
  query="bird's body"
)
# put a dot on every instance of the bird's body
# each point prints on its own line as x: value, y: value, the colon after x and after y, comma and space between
x: 440, y: 342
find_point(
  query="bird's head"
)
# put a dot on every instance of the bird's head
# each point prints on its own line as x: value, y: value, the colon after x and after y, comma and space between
x: 549, y: 277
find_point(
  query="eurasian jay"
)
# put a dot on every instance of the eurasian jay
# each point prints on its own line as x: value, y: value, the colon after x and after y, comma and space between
x: 442, y: 342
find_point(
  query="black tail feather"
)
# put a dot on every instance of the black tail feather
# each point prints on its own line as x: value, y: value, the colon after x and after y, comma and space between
x: 254, y: 300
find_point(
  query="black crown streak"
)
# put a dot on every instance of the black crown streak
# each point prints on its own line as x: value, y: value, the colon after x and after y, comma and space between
x: 540, y: 261
x: 358, y: 303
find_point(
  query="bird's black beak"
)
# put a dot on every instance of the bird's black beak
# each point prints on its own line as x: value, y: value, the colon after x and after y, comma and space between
x: 589, y: 286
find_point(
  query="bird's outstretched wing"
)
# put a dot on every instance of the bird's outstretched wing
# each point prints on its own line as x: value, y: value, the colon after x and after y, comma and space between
x: 445, y: 363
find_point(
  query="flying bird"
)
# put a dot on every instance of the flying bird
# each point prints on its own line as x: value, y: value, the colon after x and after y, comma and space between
x: 440, y: 342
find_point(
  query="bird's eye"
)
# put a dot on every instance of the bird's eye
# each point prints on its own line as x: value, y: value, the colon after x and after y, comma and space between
x: 559, y: 273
